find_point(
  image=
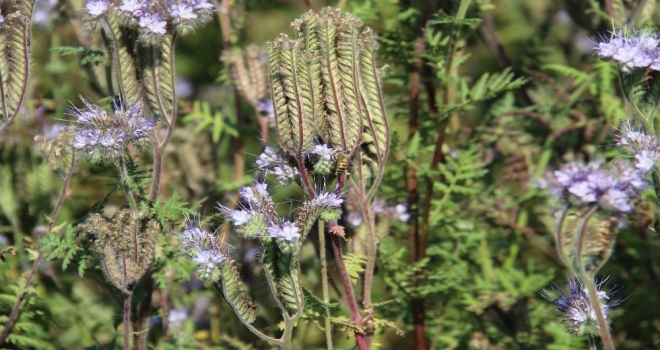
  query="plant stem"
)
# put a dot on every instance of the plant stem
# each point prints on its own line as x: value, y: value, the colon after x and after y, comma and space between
x: 125, y: 183
x: 603, y: 326
x: 324, y: 284
x: 128, y: 297
x: 30, y: 276
x: 579, y: 241
x: 592, y: 343
x: 559, y: 242
x: 356, y: 318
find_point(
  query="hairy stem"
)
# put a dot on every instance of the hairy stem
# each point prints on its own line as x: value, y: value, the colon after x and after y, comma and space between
x: 603, y: 326
x: 579, y: 241
x: 324, y: 284
x: 28, y: 282
x: 128, y: 297
x: 559, y: 238
x: 125, y: 183
x: 356, y: 318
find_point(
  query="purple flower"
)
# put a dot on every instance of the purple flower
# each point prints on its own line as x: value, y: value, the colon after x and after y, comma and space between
x: 152, y: 23
x: 267, y: 158
x: 324, y: 151
x: 288, y: 232
x: 639, y: 50
x: 96, y: 8
x: 202, y: 248
x: 326, y: 200
x: 101, y: 136
x: 612, y: 188
x: 240, y: 217
x: 265, y: 107
x: 202, y: 5
x: 646, y: 159
x: 132, y: 7
x: 574, y: 306
x: 2, y: 18
x: 208, y: 258
x: 643, y: 145
x: 182, y: 13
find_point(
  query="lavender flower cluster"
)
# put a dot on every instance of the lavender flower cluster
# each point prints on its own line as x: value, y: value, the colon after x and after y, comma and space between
x: 101, y: 136
x: 639, y: 50
x: 258, y: 219
x: 575, y: 307
x: 591, y: 183
x: 270, y: 162
x: 203, y: 249
x: 152, y: 17
x: 2, y: 18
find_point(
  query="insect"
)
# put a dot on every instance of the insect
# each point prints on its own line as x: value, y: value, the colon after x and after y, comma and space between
x: 341, y: 161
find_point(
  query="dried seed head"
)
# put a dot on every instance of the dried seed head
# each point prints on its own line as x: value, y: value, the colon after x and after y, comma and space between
x: 57, y: 151
x: 125, y: 245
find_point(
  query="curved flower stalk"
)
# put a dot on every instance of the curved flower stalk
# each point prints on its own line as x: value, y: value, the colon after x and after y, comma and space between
x: 595, y: 198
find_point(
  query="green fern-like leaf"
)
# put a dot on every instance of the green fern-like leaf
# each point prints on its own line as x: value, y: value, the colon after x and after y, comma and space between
x: 355, y: 264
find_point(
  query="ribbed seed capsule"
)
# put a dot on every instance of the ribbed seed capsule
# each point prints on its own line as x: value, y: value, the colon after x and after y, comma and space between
x: 14, y: 58
x: 294, y: 128
x: 235, y: 294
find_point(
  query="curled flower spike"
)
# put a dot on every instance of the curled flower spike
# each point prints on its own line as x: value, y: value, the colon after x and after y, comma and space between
x: 639, y: 50
x: 102, y: 137
x: 575, y: 309
x: 611, y: 188
x: 202, y: 248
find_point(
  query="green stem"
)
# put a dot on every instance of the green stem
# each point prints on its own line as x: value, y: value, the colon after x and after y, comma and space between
x: 579, y: 241
x: 125, y: 183
x: 559, y: 238
x: 324, y: 284
x: 603, y: 326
